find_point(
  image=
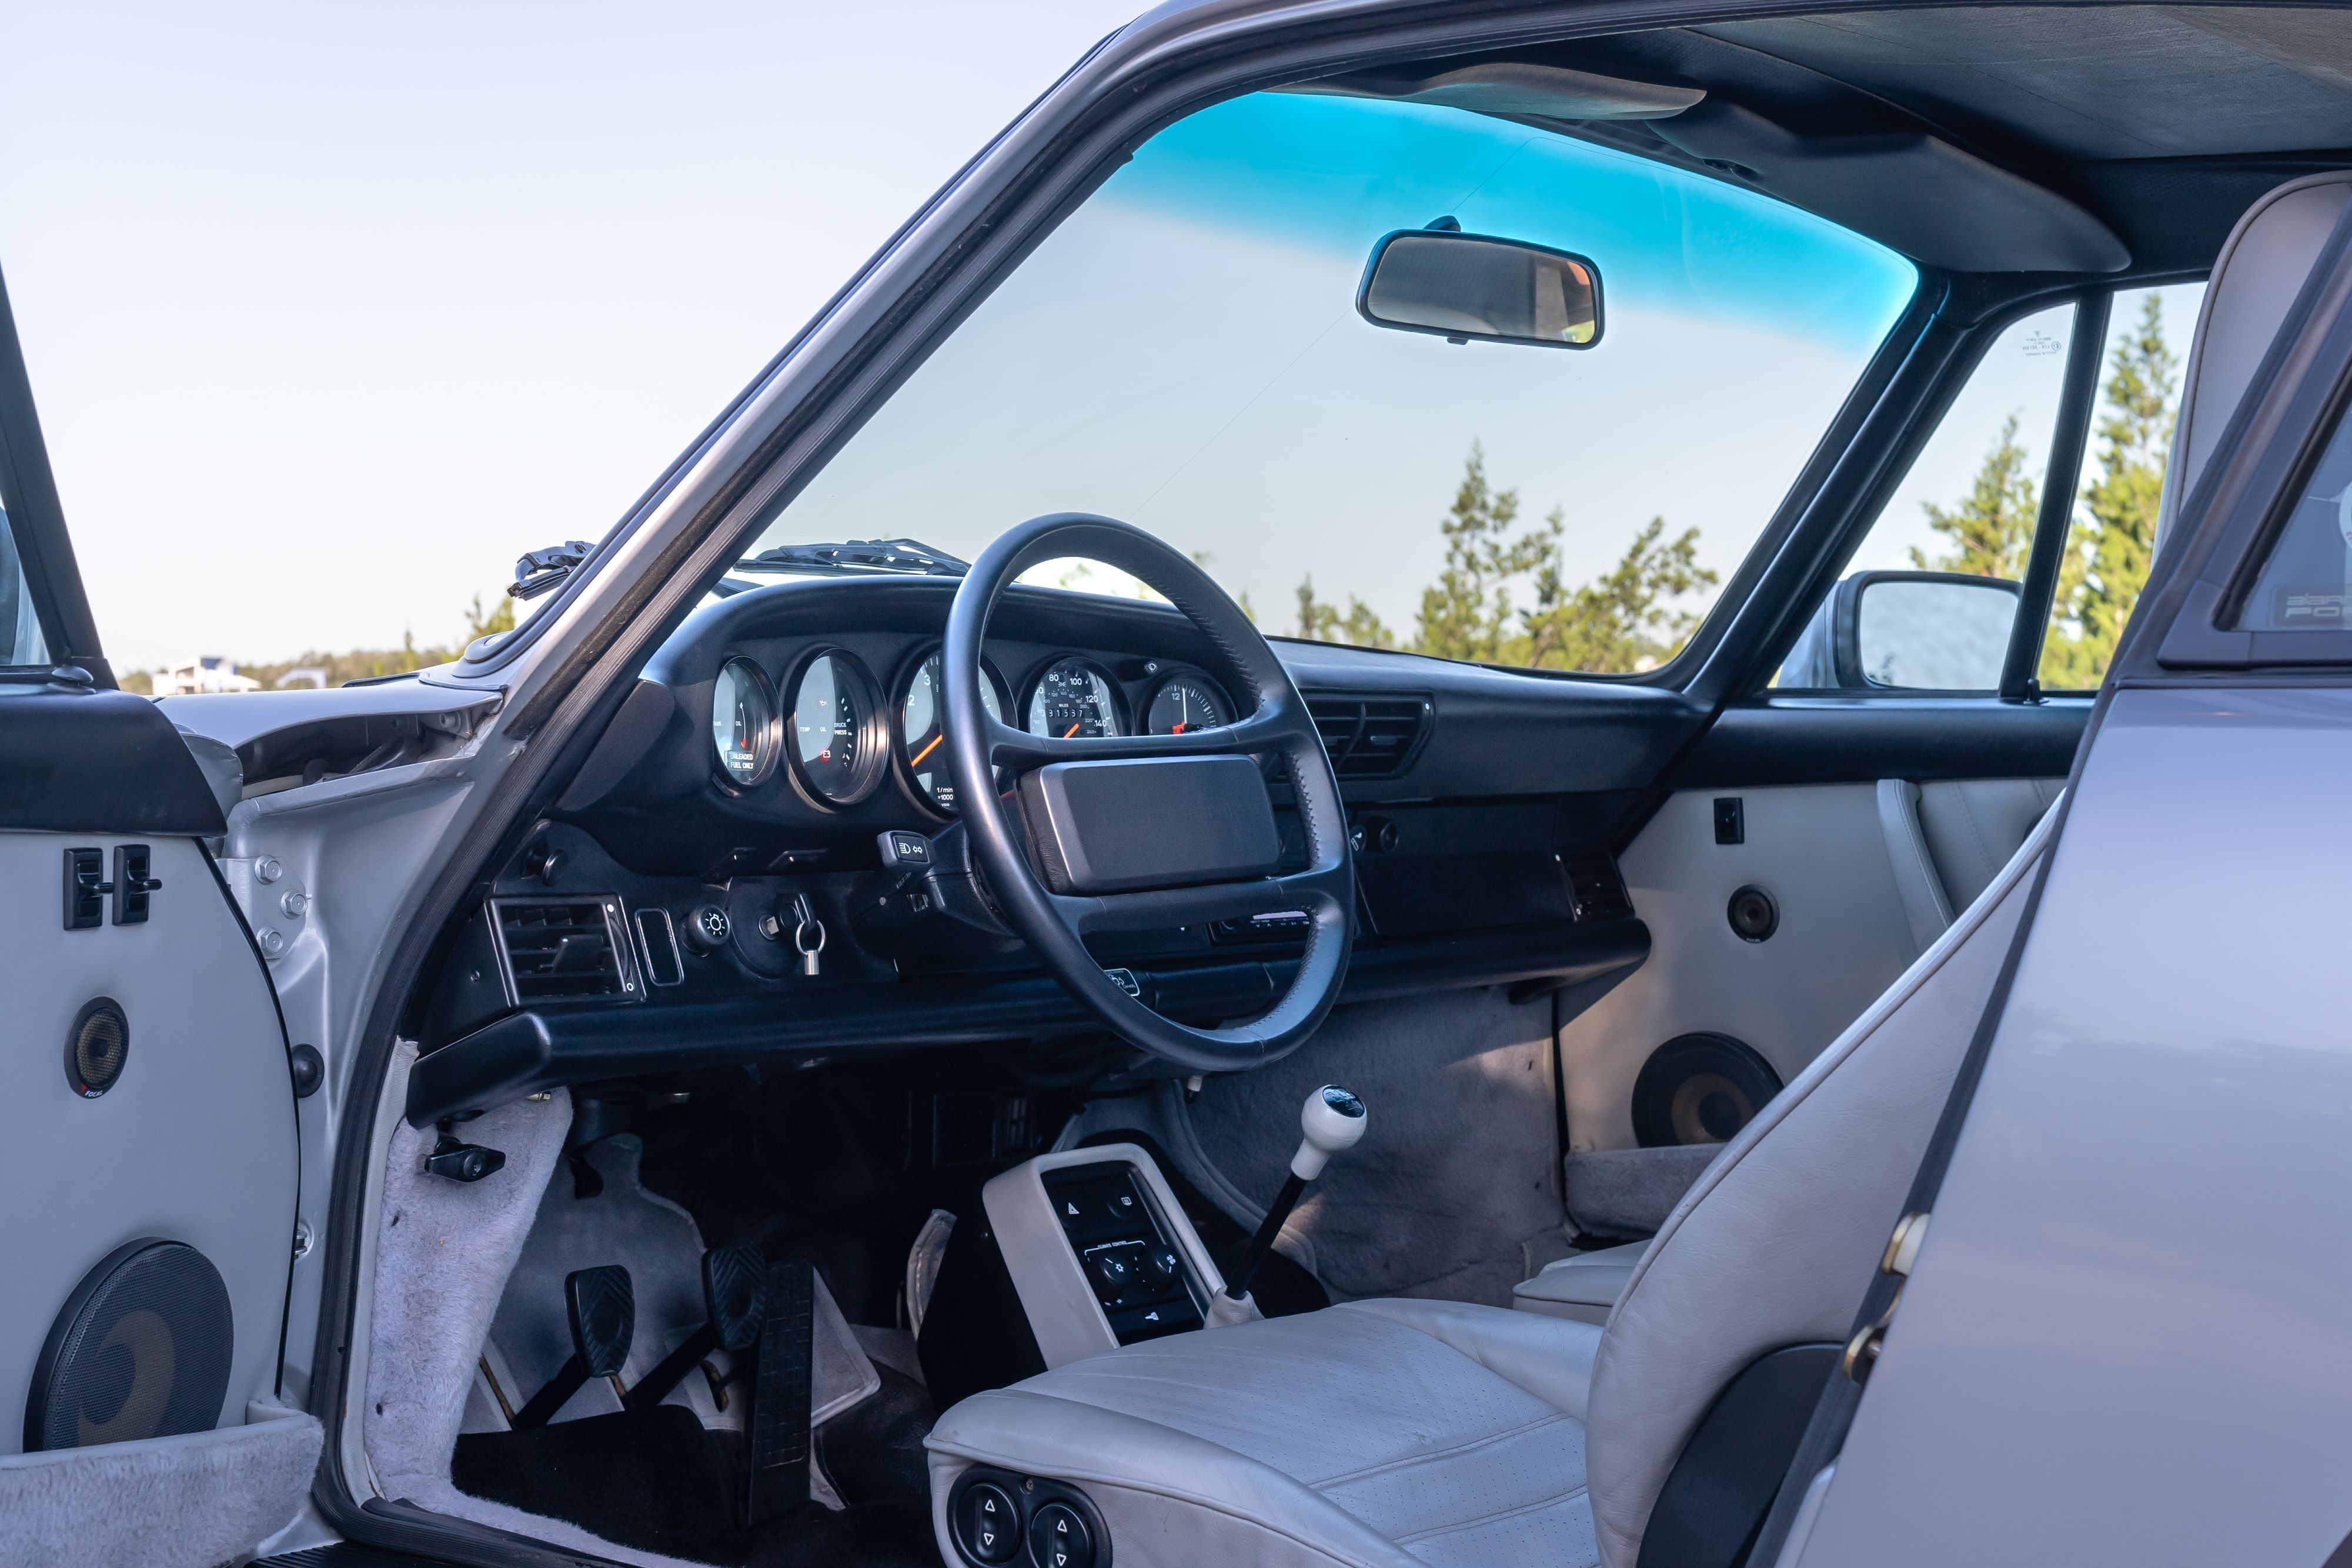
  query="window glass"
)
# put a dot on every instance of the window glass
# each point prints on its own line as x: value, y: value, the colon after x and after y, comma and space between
x: 1967, y: 508
x: 2306, y: 583
x: 1185, y: 353
x: 2112, y: 539
x: 21, y: 641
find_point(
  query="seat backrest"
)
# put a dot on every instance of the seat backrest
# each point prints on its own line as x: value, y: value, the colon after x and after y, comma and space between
x: 2254, y: 280
x: 1775, y: 1244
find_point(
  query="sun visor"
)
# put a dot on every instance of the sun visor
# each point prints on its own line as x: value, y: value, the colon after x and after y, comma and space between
x: 1923, y: 196
x: 1511, y: 89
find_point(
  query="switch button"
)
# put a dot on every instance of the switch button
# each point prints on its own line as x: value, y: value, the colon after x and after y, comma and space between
x: 1058, y: 1538
x: 988, y: 1523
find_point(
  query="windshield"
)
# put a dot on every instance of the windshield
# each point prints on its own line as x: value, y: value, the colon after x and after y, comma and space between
x: 1185, y: 353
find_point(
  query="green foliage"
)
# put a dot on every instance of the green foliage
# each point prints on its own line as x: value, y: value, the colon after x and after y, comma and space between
x: 1467, y: 613
x: 1504, y: 596
x: 501, y: 619
x: 1356, y: 625
x: 1991, y: 530
x: 362, y: 662
x: 2114, y: 540
x: 1626, y: 619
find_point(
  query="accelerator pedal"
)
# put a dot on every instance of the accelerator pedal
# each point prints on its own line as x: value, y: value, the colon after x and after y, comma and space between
x: 779, y: 1478
x: 734, y: 1293
x: 603, y: 1307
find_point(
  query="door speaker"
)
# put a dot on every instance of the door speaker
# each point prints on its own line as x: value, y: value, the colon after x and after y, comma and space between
x: 141, y: 1349
x: 97, y: 1047
x: 1699, y: 1089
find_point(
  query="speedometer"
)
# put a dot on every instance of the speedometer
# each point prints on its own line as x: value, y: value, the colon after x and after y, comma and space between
x: 1074, y: 698
x: 922, y: 734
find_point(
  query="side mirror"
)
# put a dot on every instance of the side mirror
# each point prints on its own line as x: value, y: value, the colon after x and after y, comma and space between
x: 1919, y: 630
x: 1459, y: 285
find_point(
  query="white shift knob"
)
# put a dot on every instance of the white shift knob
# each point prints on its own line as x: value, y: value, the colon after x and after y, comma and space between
x: 1333, y: 1120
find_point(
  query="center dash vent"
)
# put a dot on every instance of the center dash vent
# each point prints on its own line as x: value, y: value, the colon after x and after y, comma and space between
x: 1371, y: 737
x: 564, y: 949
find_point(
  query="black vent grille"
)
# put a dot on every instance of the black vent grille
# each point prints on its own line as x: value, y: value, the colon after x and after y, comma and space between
x: 1596, y: 885
x: 1371, y: 737
x: 566, y: 949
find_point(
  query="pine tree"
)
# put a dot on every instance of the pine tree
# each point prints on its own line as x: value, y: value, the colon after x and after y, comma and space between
x: 1624, y: 620
x: 1991, y: 530
x: 1467, y: 613
x: 1356, y: 626
x: 2113, y: 540
x: 1630, y: 617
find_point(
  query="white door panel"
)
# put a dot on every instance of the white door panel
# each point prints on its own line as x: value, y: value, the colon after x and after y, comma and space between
x: 195, y: 1141
x: 1842, y: 939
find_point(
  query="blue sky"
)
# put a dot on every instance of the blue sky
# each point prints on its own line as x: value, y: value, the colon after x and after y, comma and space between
x: 1184, y: 354
x: 333, y: 311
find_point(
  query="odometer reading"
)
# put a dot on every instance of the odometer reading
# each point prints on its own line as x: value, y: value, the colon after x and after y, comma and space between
x: 1073, y: 699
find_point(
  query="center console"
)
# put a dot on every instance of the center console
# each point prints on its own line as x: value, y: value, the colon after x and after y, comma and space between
x: 1098, y: 1251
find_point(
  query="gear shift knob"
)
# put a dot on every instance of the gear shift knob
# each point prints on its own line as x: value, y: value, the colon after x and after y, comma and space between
x: 1333, y: 1121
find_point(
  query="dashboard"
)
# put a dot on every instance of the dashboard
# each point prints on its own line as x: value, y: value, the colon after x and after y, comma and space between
x: 721, y: 880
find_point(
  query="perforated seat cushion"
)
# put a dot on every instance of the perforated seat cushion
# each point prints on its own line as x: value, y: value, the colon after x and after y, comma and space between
x: 1378, y: 1433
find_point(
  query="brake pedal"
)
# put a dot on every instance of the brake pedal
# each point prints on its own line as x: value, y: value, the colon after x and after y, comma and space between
x: 781, y: 1393
x: 734, y: 1289
x: 602, y: 1305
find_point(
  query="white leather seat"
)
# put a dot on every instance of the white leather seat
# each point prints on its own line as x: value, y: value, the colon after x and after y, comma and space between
x: 1583, y: 1286
x: 1387, y: 1434
x: 1391, y: 1434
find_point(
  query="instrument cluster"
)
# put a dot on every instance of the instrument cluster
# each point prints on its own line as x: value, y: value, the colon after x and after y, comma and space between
x: 829, y: 723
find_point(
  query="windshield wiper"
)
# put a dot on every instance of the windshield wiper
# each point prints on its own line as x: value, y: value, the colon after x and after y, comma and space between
x: 859, y: 558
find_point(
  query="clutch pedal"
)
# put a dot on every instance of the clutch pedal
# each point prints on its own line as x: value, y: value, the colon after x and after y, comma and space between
x: 603, y: 1307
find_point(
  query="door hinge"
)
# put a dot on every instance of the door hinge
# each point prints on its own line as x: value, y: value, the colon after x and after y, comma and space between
x: 1902, y: 1252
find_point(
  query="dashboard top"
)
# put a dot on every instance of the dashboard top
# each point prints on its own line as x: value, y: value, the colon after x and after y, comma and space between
x: 791, y: 723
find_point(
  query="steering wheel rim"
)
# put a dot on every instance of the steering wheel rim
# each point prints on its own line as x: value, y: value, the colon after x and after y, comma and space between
x: 1055, y: 925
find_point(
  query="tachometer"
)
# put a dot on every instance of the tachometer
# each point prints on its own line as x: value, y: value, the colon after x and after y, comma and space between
x: 836, y: 739
x: 743, y: 722
x: 922, y: 735
x: 1184, y: 704
x: 1074, y: 697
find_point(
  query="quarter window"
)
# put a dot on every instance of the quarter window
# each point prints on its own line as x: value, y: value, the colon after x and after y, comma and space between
x: 21, y: 641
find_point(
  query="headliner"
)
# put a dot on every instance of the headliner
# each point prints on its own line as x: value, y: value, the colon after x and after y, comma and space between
x: 2165, y: 121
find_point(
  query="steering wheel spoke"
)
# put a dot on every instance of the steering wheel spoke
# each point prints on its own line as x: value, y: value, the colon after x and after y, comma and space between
x: 1271, y: 728
x: 1172, y: 908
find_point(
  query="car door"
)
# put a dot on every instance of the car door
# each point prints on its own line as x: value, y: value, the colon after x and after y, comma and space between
x: 147, y: 1097
x: 1840, y: 811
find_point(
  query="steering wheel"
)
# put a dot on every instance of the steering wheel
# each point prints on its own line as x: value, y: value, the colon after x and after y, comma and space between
x: 1056, y: 924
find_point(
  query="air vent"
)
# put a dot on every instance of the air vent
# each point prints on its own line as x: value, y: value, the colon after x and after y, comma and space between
x: 1595, y: 884
x: 564, y: 949
x: 1371, y: 737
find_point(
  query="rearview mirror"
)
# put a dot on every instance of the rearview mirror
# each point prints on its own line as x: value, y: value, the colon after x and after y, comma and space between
x: 1925, y: 630
x: 1461, y: 285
